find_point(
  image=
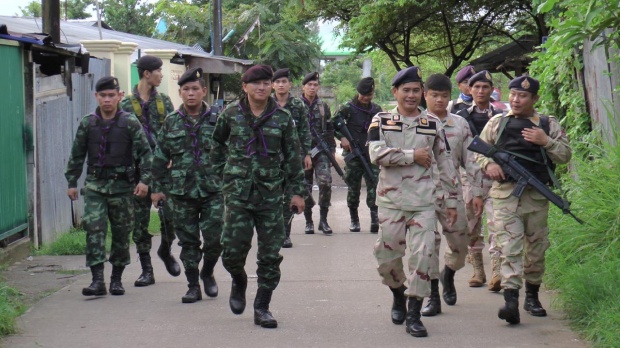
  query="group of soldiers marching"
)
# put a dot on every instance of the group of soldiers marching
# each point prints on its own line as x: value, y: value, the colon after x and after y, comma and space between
x: 220, y: 177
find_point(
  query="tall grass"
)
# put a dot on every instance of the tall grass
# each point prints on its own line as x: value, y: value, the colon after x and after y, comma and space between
x: 11, y: 307
x: 583, y: 262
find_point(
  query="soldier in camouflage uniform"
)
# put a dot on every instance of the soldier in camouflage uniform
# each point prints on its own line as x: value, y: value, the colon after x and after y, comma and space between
x: 357, y: 115
x: 437, y: 94
x: 109, y: 139
x: 297, y: 108
x: 521, y: 222
x: 195, y: 189
x: 151, y: 107
x: 465, y: 99
x: 403, y: 142
x: 257, y: 150
x: 319, y: 120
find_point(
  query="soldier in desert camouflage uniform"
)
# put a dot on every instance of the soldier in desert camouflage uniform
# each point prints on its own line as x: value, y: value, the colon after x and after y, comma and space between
x: 403, y: 142
x: 465, y: 99
x: 521, y: 222
x: 108, y: 139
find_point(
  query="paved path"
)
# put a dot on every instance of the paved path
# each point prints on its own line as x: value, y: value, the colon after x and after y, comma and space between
x: 330, y: 296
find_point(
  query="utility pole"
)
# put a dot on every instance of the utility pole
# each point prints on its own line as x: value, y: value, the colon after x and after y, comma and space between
x: 216, y: 45
x: 51, y: 19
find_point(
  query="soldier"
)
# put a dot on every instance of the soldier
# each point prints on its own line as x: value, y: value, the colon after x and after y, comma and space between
x: 282, y: 86
x: 357, y: 114
x: 151, y: 107
x: 521, y: 222
x: 109, y: 139
x: 257, y: 150
x: 404, y: 142
x: 465, y: 99
x: 319, y: 120
x: 437, y: 94
x: 477, y: 116
x: 195, y: 189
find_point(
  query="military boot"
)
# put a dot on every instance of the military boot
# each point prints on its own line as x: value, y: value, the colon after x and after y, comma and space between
x: 447, y: 281
x: 116, y: 286
x: 323, y: 226
x: 193, y: 293
x: 532, y: 304
x: 97, y: 287
x: 374, y: 219
x: 262, y: 315
x: 399, y: 305
x: 146, y: 278
x: 414, y: 325
x: 309, y: 222
x: 479, y: 277
x: 172, y: 266
x: 355, y: 220
x: 495, y: 284
x: 510, y: 311
x: 208, y: 280
x: 237, y: 292
x: 287, y: 241
x: 433, y: 307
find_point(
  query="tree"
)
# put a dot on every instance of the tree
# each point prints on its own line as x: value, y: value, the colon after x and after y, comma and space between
x: 70, y: 9
x: 33, y: 9
x: 186, y: 23
x: 130, y: 16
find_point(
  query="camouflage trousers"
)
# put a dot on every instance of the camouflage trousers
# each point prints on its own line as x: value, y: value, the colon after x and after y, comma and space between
x: 321, y: 168
x: 523, y: 236
x: 240, y: 219
x: 98, y: 209
x: 411, y: 231
x: 142, y: 211
x: 456, y: 235
x: 476, y: 242
x: 353, y: 174
x: 193, y: 216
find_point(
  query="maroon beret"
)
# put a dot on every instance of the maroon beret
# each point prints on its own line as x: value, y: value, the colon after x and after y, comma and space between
x: 465, y: 73
x: 257, y: 73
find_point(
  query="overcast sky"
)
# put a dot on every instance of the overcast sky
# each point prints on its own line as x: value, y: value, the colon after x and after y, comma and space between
x: 11, y: 7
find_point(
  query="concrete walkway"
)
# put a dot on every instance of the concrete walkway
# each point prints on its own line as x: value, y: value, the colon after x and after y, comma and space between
x: 330, y: 296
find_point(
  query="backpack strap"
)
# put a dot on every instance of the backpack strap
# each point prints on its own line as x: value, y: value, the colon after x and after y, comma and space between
x: 161, y: 110
x: 137, y: 109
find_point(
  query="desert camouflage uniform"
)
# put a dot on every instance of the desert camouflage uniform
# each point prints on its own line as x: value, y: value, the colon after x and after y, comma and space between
x: 521, y: 223
x: 406, y: 196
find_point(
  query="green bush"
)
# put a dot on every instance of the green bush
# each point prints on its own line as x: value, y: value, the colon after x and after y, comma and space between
x: 11, y: 307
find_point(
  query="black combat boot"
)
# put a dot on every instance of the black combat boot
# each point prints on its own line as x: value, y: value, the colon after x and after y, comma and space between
x: 323, y: 226
x: 355, y: 220
x: 262, y: 315
x: 532, y: 304
x: 309, y: 222
x: 146, y: 278
x: 172, y: 266
x: 97, y: 287
x: 433, y: 307
x: 208, y: 280
x: 287, y: 241
x: 510, y: 311
x: 447, y: 281
x: 414, y: 325
x: 374, y: 219
x: 116, y: 286
x: 399, y: 305
x: 193, y: 293
x: 237, y: 292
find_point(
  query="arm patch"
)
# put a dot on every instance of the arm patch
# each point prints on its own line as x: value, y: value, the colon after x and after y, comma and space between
x: 373, y: 131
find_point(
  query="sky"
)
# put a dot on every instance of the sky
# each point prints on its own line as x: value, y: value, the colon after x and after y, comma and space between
x: 11, y: 7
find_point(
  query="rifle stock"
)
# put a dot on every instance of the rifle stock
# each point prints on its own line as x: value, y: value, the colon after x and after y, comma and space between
x: 356, y: 148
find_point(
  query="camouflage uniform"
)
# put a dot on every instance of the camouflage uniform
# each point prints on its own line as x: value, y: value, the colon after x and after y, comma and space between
x: 358, y: 119
x: 152, y: 120
x: 458, y: 104
x: 195, y: 187
x: 521, y: 223
x: 406, y: 196
x: 259, y: 160
x: 108, y: 189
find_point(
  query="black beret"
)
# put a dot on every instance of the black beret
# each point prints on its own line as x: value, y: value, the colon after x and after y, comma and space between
x: 281, y: 73
x: 525, y: 83
x: 366, y: 86
x: 257, y: 73
x: 313, y: 76
x: 411, y: 74
x: 149, y: 63
x: 107, y: 82
x: 190, y: 75
x: 482, y: 76
x: 465, y: 73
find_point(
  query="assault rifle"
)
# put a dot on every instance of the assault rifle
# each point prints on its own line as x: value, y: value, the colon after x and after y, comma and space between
x: 523, y: 177
x: 356, y: 148
x: 323, y: 146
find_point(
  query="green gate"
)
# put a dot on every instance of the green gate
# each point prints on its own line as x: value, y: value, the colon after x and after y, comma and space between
x: 14, y: 193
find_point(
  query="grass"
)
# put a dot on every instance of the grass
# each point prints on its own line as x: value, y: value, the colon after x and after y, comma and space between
x: 11, y: 307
